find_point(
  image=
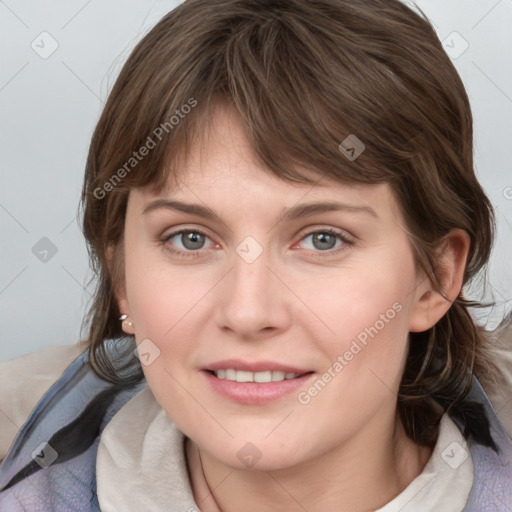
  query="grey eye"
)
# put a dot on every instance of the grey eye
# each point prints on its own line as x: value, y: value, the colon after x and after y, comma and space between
x: 192, y: 240
x: 324, y: 241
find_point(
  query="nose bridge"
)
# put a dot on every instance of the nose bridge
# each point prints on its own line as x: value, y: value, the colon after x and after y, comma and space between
x: 253, y: 299
x: 250, y: 277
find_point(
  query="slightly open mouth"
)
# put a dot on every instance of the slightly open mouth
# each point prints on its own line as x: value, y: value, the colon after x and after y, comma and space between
x: 266, y: 377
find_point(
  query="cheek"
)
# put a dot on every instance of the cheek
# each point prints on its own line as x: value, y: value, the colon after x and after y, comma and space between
x: 161, y: 298
x: 367, y: 314
x: 174, y: 391
x: 367, y: 304
x: 171, y: 310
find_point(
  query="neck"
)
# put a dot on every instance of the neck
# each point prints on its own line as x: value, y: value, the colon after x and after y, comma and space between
x: 358, y: 476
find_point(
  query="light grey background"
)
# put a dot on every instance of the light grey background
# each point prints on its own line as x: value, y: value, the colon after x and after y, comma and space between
x: 49, y: 107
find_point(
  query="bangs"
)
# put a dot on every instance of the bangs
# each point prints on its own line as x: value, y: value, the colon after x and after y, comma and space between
x: 299, y: 98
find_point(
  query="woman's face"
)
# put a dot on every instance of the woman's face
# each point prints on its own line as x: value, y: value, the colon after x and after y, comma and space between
x: 236, y: 264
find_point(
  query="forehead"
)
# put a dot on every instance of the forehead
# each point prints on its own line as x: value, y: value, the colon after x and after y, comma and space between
x: 222, y: 169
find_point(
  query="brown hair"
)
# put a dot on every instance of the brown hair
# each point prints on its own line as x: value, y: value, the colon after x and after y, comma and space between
x: 303, y: 76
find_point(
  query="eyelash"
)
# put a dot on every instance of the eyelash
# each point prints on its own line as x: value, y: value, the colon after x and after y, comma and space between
x: 179, y: 252
x: 346, y: 242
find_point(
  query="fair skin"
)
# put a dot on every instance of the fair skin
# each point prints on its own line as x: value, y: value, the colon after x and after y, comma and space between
x: 298, y: 303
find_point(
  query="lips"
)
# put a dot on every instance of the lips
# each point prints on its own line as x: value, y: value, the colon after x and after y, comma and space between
x: 248, y: 383
x: 255, y: 393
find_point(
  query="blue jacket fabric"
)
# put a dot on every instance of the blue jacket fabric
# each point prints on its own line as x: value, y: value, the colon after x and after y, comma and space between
x: 67, y: 483
x: 51, y: 465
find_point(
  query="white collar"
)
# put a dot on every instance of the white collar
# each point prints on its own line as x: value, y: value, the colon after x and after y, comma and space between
x: 141, y: 465
x: 446, y: 480
x: 141, y: 462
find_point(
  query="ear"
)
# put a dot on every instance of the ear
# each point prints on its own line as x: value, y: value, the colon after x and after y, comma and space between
x: 429, y: 304
x: 120, y: 290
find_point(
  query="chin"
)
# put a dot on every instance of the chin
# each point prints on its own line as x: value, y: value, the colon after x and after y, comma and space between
x: 257, y: 457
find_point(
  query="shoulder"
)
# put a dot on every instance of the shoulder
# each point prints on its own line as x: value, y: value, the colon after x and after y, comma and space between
x: 23, y: 382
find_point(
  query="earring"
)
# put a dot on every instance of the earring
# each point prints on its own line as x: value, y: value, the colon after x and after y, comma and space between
x: 123, y: 319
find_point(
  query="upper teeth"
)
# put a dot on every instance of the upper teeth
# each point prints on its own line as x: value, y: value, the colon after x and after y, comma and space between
x: 244, y: 376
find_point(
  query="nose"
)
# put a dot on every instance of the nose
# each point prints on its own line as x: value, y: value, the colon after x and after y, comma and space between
x: 253, y: 302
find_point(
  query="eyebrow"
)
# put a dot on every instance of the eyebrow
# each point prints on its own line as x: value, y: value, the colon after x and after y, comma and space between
x: 295, y: 212
x: 194, y: 209
x: 308, y: 209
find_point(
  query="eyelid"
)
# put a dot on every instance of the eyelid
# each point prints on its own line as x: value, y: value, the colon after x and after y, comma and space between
x: 343, y: 234
x: 173, y: 232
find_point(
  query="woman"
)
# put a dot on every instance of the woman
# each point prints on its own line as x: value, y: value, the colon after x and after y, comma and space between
x: 281, y: 207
